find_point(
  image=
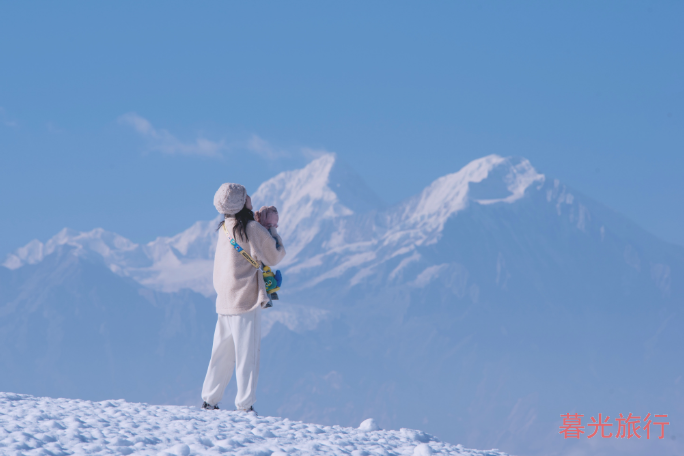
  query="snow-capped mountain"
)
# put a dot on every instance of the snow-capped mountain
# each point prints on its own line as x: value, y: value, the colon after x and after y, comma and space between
x: 480, y: 310
x: 166, y: 264
x: 325, y: 207
x: 304, y: 196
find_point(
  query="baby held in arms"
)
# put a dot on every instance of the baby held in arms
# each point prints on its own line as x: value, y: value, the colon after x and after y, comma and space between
x: 267, y: 216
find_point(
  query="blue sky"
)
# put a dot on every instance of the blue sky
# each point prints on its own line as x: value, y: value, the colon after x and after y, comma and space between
x: 129, y: 115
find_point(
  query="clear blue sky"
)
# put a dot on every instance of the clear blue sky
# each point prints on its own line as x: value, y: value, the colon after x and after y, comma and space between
x: 128, y: 115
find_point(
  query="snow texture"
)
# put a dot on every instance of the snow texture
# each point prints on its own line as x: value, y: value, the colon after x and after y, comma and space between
x: 45, y: 426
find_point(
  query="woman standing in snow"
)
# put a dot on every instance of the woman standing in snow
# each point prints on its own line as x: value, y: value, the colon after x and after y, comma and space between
x: 241, y: 294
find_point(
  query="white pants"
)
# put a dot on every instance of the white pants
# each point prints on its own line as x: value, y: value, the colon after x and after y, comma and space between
x: 237, y: 342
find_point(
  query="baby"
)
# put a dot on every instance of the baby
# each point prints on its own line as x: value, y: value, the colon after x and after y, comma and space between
x: 267, y: 216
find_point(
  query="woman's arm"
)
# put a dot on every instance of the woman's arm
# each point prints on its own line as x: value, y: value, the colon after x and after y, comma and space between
x: 263, y: 245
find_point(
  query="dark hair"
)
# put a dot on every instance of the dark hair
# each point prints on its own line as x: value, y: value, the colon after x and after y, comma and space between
x: 242, y: 218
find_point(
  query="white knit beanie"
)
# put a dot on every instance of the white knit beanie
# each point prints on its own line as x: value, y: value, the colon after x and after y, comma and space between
x: 230, y: 199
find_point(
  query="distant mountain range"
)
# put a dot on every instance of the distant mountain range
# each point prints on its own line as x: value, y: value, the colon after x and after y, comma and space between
x: 479, y: 310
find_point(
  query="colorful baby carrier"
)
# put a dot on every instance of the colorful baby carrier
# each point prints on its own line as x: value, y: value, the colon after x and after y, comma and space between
x: 271, y: 280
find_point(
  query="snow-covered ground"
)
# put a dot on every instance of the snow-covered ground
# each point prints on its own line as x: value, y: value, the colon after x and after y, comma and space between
x: 45, y: 426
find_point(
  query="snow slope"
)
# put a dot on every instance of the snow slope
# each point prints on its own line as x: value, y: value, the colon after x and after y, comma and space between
x: 44, y: 426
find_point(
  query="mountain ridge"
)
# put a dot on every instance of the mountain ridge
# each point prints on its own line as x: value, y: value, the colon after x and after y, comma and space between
x: 521, y: 299
x: 328, y: 240
x: 306, y: 201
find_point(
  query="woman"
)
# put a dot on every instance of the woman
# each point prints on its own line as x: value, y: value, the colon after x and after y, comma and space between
x: 241, y: 293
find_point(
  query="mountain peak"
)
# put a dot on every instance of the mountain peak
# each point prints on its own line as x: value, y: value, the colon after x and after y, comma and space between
x: 324, y: 189
x: 98, y: 240
x: 506, y: 181
x: 486, y: 180
x: 326, y: 179
x: 291, y: 189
